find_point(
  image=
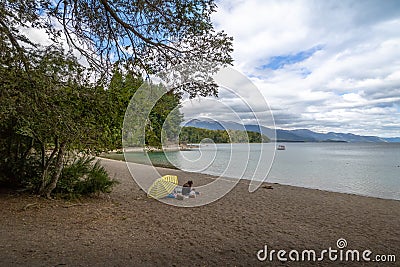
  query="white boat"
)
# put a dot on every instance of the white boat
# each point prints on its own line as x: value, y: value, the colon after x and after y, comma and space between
x: 281, y: 147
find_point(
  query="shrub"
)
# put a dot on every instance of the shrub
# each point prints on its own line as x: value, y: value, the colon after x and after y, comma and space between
x: 83, y: 177
x: 22, y: 173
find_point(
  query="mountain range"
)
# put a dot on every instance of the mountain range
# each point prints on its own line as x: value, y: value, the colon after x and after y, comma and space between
x: 298, y: 135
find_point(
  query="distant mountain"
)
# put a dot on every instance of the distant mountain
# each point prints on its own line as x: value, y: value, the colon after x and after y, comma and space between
x: 214, y: 125
x: 393, y: 139
x: 281, y: 135
x: 299, y: 135
x: 331, y: 136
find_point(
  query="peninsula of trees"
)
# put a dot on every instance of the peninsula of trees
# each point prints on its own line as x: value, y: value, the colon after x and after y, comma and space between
x: 193, y: 135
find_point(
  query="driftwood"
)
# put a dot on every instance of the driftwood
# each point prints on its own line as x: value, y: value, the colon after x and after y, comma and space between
x: 27, y: 206
x: 267, y: 187
x: 73, y: 205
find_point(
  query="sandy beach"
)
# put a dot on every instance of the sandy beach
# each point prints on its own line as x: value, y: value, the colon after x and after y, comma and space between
x: 125, y: 228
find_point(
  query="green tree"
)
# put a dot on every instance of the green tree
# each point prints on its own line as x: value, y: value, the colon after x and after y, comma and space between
x: 196, y: 135
x: 121, y: 89
x: 164, y: 121
x: 47, y: 111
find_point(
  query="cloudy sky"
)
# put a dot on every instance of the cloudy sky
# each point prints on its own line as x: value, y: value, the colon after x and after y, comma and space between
x: 321, y: 65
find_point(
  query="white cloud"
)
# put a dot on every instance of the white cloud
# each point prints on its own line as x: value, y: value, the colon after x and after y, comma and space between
x: 350, y: 83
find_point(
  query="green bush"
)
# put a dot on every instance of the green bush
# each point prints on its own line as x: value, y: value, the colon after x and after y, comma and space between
x: 83, y: 177
x: 20, y: 173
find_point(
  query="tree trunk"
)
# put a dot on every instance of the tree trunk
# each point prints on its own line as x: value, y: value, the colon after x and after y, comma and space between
x: 28, y: 150
x: 46, y: 165
x: 57, y: 172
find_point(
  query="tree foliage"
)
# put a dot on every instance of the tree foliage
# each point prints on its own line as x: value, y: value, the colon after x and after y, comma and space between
x: 195, y: 135
x: 121, y: 89
x: 164, y: 121
x: 142, y: 35
x: 47, y: 111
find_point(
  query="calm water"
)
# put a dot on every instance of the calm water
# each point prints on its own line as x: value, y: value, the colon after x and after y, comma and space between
x: 364, y: 169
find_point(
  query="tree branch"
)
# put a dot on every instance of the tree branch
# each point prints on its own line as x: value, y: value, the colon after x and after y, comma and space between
x: 128, y: 26
x: 15, y: 44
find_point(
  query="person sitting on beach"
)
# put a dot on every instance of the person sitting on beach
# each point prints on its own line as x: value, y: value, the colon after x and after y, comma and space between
x: 187, y: 188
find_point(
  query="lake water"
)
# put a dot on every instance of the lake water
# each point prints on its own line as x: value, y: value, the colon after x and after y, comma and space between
x: 370, y: 169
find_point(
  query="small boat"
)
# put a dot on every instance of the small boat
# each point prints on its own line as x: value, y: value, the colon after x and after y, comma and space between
x: 281, y: 147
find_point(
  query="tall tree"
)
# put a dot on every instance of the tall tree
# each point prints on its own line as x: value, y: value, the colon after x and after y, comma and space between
x: 164, y: 121
x: 121, y: 89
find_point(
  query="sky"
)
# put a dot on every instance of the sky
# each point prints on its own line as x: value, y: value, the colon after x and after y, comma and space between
x: 321, y: 65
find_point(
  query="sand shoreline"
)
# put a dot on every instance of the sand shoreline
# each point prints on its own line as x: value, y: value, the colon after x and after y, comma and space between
x: 246, y: 181
x: 127, y: 228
